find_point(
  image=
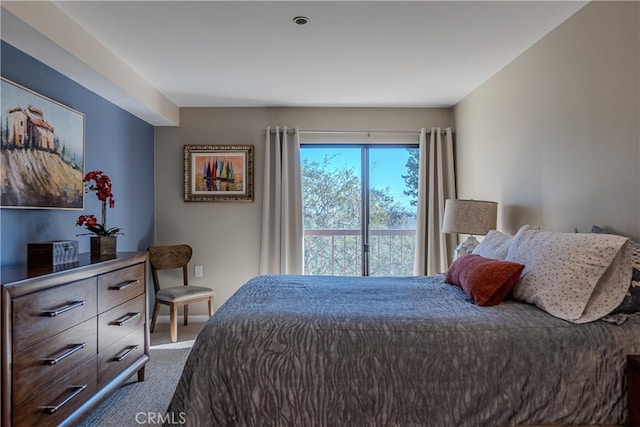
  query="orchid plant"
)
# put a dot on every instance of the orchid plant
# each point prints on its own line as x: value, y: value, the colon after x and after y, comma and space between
x: 99, y: 182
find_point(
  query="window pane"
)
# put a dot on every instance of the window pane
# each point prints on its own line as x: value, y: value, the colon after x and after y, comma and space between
x: 392, y: 210
x: 332, y: 178
x: 332, y: 210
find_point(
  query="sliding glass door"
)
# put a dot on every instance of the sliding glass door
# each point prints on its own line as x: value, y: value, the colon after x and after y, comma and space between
x: 359, y: 204
x: 332, y: 209
x: 392, y: 210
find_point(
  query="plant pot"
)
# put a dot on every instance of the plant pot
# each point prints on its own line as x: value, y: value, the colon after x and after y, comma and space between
x: 103, y: 246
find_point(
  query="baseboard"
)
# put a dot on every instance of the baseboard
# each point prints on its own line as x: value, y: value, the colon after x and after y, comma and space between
x: 197, y: 318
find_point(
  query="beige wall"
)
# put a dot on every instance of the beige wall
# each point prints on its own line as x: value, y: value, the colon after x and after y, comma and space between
x: 226, y: 236
x: 554, y: 137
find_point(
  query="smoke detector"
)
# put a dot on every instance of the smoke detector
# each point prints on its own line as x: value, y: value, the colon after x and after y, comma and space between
x: 300, y: 20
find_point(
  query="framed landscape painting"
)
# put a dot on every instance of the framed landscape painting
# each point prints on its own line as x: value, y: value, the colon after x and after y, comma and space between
x: 42, y: 151
x: 218, y: 173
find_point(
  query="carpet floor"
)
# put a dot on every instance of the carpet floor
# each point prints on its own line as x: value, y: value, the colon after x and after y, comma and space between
x: 142, y: 403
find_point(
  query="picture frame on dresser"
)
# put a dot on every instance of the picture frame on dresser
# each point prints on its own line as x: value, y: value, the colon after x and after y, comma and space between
x: 43, y: 141
x: 218, y: 173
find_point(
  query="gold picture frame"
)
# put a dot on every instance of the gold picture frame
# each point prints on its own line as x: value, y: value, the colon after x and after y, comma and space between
x: 218, y: 173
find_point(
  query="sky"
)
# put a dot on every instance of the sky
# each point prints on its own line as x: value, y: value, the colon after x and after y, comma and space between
x: 387, y: 164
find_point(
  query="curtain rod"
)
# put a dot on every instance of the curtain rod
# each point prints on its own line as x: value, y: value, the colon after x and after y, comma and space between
x: 310, y: 132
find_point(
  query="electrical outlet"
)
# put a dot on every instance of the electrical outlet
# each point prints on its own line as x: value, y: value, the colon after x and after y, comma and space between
x: 198, y: 271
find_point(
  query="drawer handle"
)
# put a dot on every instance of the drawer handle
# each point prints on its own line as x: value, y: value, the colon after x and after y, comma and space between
x: 52, y: 361
x: 126, y: 353
x: 54, y: 313
x: 125, y: 285
x: 53, y: 408
x: 126, y: 318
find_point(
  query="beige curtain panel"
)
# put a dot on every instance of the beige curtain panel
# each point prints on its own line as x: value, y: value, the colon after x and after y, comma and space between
x: 436, y: 184
x: 281, y: 243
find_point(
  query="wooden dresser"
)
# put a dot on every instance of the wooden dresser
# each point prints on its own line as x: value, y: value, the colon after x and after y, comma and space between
x: 71, y: 337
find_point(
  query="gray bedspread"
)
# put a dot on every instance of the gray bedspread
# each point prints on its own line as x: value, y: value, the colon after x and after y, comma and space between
x: 410, y: 351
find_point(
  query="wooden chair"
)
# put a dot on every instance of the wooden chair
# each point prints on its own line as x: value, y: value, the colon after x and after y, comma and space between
x: 172, y: 257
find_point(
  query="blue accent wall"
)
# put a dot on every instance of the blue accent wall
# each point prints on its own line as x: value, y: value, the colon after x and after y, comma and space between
x: 116, y: 142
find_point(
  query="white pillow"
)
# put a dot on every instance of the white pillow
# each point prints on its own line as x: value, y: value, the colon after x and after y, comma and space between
x: 494, y: 245
x: 574, y: 276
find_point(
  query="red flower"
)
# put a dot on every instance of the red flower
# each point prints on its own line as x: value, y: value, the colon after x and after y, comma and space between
x: 91, y: 221
x: 99, y: 182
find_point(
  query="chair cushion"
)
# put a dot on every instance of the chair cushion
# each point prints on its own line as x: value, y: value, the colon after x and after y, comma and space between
x: 181, y: 293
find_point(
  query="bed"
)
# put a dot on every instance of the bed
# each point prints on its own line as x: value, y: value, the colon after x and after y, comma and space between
x: 405, y: 351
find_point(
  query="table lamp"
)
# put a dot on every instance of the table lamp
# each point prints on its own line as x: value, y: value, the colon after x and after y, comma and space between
x: 473, y: 217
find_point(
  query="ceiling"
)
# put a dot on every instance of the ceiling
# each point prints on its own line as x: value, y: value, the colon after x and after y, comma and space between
x: 241, y: 53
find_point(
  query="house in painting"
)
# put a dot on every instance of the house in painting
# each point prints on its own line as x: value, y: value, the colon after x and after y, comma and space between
x: 28, y: 129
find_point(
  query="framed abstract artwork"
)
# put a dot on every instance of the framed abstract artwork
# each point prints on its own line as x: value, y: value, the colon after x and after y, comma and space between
x: 218, y: 173
x: 42, y: 151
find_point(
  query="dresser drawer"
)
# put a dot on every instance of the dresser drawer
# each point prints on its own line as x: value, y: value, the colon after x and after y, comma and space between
x: 40, y: 315
x: 42, y: 364
x: 119, y: 286
x: 119, y: 356
x: 120, y: 321
x: 55, y: 403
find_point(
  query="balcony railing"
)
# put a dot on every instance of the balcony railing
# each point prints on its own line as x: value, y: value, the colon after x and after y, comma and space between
x: 338, y: 252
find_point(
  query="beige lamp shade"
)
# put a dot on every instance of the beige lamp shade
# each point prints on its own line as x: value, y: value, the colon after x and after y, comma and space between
x: 469, y: 216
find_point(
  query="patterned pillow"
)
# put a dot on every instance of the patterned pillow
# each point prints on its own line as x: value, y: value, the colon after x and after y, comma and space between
x: 574, y: 276
x: 631, y: 302
x: 487, y: 281
x: 494, y: 245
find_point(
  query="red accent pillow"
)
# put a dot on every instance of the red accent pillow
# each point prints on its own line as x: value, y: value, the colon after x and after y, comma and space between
x: 487, y: 281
